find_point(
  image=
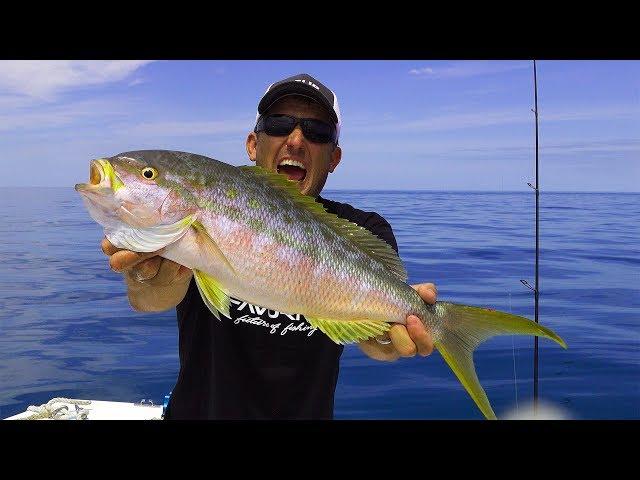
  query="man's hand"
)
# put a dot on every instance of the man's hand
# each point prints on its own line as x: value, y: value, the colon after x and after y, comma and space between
x: 407, y: 340
x: 154, y: 283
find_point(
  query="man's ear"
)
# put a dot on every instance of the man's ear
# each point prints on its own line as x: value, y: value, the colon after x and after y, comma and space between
x: 252, y: 142
x: 336, y: 155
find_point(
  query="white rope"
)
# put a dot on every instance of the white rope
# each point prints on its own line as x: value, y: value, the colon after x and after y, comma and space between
x: 51, y: 411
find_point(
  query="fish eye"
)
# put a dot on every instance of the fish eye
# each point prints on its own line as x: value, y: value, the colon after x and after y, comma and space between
x: 149, y: 173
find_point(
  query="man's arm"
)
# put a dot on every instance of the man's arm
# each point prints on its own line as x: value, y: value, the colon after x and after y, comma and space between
x: 153, y: 283
x: 407, y: 340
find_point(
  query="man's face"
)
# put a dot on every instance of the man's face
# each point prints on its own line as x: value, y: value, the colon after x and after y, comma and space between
x: 314, y: 160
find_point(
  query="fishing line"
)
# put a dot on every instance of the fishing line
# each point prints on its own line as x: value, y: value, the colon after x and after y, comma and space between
x: 513, y: 351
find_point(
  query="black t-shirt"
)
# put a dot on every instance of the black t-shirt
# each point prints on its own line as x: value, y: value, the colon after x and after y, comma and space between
x: 260, y: 364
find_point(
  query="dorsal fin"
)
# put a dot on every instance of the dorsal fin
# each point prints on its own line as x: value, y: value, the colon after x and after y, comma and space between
x: 366, y: 241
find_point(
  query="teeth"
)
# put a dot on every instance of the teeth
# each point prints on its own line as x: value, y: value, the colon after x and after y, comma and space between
x: 293, y: 163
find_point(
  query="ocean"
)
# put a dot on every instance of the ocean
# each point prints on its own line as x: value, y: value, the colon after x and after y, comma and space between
x: 67, y: 330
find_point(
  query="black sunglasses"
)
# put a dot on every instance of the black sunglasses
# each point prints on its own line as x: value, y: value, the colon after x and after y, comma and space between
x: 279, y: 125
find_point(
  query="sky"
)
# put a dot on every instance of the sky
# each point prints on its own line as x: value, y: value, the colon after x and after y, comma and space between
x: 406, y: 125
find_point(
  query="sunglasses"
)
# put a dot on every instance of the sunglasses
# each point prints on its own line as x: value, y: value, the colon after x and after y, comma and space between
x: 279, y: 125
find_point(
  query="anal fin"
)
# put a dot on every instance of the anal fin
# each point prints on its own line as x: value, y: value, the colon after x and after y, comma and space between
x: 342, y: 332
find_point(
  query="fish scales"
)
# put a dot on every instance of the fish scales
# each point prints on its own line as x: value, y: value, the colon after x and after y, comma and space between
x: 314, y: 249
x: 309, y: 257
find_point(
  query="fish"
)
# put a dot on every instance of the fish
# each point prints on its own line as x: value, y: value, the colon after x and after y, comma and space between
x: 248, y: 233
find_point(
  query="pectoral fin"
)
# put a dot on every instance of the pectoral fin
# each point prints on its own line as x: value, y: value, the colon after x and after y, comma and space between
x: 342, y: 332
x: 211, y: 247
x: 148, y: 239
x: 213, y: 294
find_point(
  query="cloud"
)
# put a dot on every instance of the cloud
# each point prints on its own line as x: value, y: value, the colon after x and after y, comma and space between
x: 191, y: 128
x: 45, y: 79
x: 592, y: 113
x: 608, y: 146
x: 421, y: 71
x: 570, y: 147
x: 54, y: 116
x: 468, y: 69
x: 487, y: 118
x: 14, y: 101
x: 447, y: 121
x: 493, y: 147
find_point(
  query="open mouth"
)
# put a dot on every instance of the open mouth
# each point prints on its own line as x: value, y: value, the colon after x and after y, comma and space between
x: 96, y: 177
x: 101, y: 176
x: 293, y: 169
x: 95, y: 173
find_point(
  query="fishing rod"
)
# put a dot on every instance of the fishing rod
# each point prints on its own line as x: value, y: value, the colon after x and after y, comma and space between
x: 524, y: 282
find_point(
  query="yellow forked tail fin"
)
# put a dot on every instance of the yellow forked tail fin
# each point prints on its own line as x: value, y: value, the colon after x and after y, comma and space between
x: 465, y: 327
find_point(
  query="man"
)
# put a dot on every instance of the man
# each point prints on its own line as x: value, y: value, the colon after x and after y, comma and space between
x: 261, y: 363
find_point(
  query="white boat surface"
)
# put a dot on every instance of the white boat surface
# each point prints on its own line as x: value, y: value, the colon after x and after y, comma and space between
x: 81, y: 409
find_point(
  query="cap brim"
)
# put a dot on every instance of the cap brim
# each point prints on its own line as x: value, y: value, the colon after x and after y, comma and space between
x: 295, y: 88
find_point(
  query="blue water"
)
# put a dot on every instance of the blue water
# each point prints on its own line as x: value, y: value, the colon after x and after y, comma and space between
x: 66, y: 328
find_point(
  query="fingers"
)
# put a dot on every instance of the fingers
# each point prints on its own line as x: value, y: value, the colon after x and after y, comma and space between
x: 402, y: 341
x: 420, y: 336
x: 124, y: 260
x: 427, y: 291
x: 412, y: 338
x: 121, y: 260
x: 377, y: 351
x: 108, y: 248
x: 167, y: 273
x: 183, y: 272
x: 409, y: 340
x: 147, y: 269
x: 406, y: 341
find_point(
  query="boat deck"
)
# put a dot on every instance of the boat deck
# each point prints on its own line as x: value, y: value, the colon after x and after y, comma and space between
x: 95, y: 410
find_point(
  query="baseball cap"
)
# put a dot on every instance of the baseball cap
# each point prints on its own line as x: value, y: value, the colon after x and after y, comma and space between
x: 305, y: 85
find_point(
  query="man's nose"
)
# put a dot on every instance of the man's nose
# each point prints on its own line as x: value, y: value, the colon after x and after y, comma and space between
x: 296, y: 138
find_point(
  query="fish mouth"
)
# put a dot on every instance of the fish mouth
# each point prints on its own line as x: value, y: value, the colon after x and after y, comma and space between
x: 101, y: 175
x: 96, y: 177
x: 294, y: 169
x: 96, y: 173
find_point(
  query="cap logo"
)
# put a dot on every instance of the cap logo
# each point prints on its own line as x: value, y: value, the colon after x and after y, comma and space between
x: 307, y: 83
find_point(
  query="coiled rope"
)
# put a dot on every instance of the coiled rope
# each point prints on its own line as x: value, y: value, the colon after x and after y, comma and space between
x: 51, y: 411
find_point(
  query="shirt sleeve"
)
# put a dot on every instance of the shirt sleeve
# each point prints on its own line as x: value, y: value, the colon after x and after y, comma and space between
x: 377, y: 225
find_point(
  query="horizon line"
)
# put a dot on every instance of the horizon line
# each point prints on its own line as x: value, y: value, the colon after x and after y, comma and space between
x: 389, y: 190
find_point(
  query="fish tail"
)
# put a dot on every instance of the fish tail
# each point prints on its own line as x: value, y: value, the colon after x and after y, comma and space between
x: 464, y: 328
